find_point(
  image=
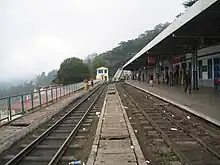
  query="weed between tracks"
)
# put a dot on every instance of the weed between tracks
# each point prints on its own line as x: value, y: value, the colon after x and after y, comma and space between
x: 165, y: 158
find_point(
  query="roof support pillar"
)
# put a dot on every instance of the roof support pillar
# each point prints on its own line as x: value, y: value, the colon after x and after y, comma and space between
x: 171, y: 74
x: 194, y: 70
x: 145, y: 73
x: 135, y: 74
x: 132, y: 75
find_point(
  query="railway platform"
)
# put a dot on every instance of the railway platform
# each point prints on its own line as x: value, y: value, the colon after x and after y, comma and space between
x: 203, y: 103
x: 115, y: 141
x: 18, y: 128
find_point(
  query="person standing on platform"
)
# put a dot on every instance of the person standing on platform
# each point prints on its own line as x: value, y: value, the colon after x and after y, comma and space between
x: 148, y: 78
x: 187, y: 82
x: 151, y: 80
x: 92, y: 82
x: 86, y: 84
x: 158, y: 78
x: 167, y: 78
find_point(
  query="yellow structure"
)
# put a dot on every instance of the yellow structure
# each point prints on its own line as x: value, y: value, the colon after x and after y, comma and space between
x: 86, y: 85
x: 102, y: 74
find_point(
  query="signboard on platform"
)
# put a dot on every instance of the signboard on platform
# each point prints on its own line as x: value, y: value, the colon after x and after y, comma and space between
x: 151, y: 60
x: 164, y: 63
x: 175, y: 59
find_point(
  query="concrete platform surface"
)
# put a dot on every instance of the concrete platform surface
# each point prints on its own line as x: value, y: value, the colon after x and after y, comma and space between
x: 114, y: 143
x: 203, y: 103
x: 20, y: 127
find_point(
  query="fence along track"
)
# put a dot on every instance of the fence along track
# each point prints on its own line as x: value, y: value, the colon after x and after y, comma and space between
x: 35, y: 153
x: 187, y: 146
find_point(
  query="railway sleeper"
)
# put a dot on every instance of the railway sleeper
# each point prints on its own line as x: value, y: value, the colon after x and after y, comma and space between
x: 67, y: 125
x: 148, y: 128
x: 41, y: 159
x: 54, y: 137
x: 162, y: 122
x: 69, y: 121
x: 201, y: 155
x: 141, y: 118
x: 88, y: 121
x: 145, y: 123
x: 75, y: 146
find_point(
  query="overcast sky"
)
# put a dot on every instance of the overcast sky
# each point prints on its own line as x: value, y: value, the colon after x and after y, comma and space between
x: 37, y: 35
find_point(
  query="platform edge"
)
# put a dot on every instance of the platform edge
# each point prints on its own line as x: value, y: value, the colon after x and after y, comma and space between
x: 138, y: 152
x: 94, y: 150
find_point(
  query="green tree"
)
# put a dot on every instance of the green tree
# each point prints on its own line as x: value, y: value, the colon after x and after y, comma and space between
x: 189, y: 3
x: 96, y: 63
x: 41, y: 79
x: 50, y: 76
x: 44, y: 79
x: 72, y: 70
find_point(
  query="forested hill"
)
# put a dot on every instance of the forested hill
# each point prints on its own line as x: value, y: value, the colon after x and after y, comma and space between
x: 28, y: 86
x: 116, y: 57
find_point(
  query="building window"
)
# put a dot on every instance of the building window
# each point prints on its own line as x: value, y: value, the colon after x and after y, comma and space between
x: 105, y: 71
x: 100, y: 71
x: 216, y: 68
x: 200, y: 69
x: 209, y: 68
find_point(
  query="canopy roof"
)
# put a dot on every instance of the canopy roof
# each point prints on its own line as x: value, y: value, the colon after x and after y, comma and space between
x: 198, y: 27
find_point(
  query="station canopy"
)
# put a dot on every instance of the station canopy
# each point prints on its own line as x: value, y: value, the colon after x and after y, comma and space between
x: 197, y: 28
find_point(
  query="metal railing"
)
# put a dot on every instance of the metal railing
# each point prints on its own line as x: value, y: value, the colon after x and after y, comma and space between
x: 15, y: 106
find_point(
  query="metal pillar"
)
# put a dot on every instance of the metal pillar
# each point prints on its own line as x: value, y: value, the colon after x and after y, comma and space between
x: 164, y: 74
x: 155, y: 72
x: 157, y: 68
x: 135, y: 75
x: 194, y: 71
x: 121, y: 76
x: 139, y: 75
x: 132, y: 75
x: 143, y: 76
x: 146, y: 74
x: 158, y: 73
x: 171, y: 75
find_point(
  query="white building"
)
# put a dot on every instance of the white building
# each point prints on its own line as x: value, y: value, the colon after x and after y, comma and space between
x: 102, y: 74
x: 208, y: 66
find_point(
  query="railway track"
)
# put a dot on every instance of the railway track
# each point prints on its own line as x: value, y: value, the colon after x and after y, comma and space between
x: 174, y: 136
x: 67, y: 137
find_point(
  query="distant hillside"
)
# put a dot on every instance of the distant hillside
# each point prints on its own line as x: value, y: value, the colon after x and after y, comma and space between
x: 28, y: 86
x: 90, y: 57
x: 116, y: 57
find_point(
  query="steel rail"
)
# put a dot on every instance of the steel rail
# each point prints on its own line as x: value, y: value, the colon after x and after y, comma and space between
x: 201, y: 142
x: 209, y: 148
x: 56, y: 158
x: 15, y: 160
x: 182, y: 158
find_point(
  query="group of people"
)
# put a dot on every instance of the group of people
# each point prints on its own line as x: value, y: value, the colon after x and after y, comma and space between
x: 187, y: 81
x: 86, y: 83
